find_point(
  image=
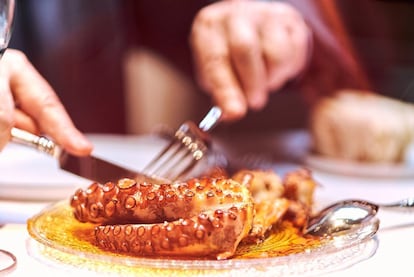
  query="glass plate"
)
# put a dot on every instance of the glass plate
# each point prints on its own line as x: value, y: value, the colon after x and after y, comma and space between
x: 58, y: 239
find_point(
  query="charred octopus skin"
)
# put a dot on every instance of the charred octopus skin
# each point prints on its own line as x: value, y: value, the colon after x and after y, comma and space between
x: 200, y: 217
x: 203, y: 217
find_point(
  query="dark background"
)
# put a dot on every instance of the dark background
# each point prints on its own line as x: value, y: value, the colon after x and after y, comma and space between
x: 78, y: 46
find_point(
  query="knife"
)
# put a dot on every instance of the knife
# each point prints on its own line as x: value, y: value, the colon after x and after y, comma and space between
x: 89, y: 167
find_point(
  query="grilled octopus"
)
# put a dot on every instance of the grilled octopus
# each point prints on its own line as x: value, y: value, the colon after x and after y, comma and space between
x: 202, y: 217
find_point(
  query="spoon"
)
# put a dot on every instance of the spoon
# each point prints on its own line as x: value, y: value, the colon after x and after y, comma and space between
x: 348, y: 214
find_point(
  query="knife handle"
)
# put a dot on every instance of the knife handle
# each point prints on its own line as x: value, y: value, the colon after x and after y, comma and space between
x: 40, y: 143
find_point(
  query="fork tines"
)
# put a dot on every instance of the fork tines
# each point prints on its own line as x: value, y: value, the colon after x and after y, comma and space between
x: 180, y: 156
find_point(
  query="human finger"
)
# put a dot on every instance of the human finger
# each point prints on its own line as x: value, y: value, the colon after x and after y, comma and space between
x: 247, y: 58
x: 25, y: 122
x: 214, y: 67
x: 285, y: 39
x: 38, y: 100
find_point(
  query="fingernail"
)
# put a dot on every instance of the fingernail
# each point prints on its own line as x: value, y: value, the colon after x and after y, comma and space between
x: 83, y: 143
x: 235, y: 110
x: 257, y: 102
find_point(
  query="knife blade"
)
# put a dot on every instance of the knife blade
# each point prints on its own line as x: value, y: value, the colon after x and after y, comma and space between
x: 89, y: 167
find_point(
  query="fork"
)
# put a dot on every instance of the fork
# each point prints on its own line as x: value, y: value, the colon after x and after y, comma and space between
x: 188, y: 146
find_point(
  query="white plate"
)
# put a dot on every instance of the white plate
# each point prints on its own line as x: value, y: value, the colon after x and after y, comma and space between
x: 359, y: 169
x: 27, y: 174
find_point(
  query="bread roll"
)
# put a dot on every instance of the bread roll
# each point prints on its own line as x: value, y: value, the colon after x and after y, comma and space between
x: 362, y: 126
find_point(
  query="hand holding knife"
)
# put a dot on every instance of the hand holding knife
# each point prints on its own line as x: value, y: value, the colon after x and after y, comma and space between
x: 89, y: 167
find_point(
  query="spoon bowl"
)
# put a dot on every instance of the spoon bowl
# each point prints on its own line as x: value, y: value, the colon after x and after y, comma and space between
x: 347, y: 215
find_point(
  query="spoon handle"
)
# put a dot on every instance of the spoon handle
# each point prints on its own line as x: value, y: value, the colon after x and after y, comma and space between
x: 404, y: 205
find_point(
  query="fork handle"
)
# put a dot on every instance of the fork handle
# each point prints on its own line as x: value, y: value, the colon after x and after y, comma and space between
x: 40, y: 143
x: 211, y: 119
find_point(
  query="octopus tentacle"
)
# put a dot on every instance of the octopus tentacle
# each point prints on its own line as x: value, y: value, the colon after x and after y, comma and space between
x: 269, y: 204
x: 212, y: 233
x: 276, y: 199
x: 129, y: 201
x: 208, y: 216
x: 299, y: 189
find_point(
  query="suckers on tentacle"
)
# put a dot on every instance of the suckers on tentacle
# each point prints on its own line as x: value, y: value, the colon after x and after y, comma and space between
x: 202, y: 217
x: 206, y: 216
x: 212, y: 233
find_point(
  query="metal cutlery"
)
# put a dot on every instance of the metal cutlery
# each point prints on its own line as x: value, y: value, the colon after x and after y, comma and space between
x: 89, y: 167
x: 188, y: 146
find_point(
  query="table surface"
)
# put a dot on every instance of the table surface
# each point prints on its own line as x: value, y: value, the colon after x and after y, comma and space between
x: 24, y: 169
